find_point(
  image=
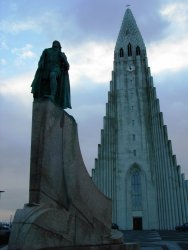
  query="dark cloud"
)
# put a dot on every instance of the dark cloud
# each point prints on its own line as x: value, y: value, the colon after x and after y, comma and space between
x: 102, y: 19
x: 15, y: 138
x: 15, y: 131
x: 148, y: 19
x: 88, y: 110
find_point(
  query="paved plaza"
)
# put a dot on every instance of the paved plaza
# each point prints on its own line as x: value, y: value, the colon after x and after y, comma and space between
x: 154, y: 240
x: 158, y: 240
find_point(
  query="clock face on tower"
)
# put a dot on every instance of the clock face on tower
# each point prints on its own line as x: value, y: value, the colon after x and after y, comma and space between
x: 130, y: 67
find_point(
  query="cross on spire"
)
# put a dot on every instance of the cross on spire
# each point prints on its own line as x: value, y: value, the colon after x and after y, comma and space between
x: 128, y: 5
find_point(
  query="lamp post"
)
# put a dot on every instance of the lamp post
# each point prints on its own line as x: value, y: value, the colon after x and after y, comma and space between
x: 1, y: 193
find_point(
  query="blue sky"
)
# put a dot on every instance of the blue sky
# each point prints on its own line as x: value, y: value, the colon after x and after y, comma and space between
x: 87, y: 31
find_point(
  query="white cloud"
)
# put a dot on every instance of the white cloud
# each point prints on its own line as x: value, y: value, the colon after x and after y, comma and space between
x: 176, y: 15
x: 15, y: 27
x: 18, y: 87
x: 171, y: 53
x: 92, y: 61
x: 48, y: 23
x: 89, y: 61
x: 23, y: 54
x: 3, y: 61
x: 3, y: 45
x: 13, y: 6
x: 168, y: 55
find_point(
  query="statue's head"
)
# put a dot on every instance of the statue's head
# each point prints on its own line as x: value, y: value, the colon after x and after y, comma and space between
x: 56, y: 45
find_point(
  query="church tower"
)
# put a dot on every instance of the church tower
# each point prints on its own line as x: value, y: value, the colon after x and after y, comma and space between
x: 136, y: 167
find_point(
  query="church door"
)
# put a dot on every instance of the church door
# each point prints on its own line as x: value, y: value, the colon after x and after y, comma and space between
x: 137, y: 223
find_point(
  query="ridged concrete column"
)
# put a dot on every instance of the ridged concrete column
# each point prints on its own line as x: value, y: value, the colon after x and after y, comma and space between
x: 162, y: 170
x: 183, y: 197
x: 179, y: 193
x: 174, y: 189
x: 169, y: 178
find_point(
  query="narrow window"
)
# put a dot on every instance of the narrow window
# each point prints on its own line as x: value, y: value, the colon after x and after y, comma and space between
x: 137, y: 50
x: 133, y: 122
x: 127, y: 32
x: 133, y: 136
x: 134, y: 152
x: 129, y: 49
x: 121, y: 52
x: 136, y: 190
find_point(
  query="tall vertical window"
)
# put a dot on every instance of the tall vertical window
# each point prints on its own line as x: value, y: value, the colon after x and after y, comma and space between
x: 136, y: 190
x: 129, y: 48
x: 137, y: 50
x: 121, y: 52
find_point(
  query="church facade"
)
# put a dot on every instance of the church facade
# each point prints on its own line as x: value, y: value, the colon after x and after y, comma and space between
x: 135, y: 166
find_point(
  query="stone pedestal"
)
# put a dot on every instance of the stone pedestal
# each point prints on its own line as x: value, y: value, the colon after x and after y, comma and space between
x: 126, y: 246
x: 65, y: 207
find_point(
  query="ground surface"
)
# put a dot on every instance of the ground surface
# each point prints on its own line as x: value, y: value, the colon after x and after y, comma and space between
x: 153, y: 240
x: 158, y: 240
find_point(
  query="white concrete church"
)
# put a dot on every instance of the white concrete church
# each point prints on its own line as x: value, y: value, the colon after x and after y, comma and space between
x: 136, y: 167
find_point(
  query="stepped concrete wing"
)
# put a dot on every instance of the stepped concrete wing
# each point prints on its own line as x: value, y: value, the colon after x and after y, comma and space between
x: 65, y: 207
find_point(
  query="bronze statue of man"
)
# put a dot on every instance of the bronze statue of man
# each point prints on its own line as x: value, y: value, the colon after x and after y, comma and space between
x: 52, y: 78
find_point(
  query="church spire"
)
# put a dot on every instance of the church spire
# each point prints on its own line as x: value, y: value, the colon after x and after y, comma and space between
x: 129, y: 33
x: 135, y: 157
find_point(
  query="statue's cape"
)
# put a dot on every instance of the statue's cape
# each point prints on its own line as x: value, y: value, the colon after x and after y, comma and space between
x: 41, y: 88
x: 37, y: 82
x: 63, y: 98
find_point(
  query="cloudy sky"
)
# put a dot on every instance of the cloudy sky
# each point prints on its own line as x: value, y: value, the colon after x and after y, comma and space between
x: 87, y: 31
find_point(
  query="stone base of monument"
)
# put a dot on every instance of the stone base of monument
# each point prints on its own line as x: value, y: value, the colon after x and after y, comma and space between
x: 39, y: 226
x: 125, y: 246
x: 65, y: 210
